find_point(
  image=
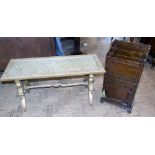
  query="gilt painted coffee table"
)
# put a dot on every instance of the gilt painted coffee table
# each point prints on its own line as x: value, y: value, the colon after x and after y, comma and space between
x: 24, y: 70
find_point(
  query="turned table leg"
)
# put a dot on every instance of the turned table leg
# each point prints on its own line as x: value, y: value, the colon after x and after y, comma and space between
x: 90, y: 88
x: 21, y: 94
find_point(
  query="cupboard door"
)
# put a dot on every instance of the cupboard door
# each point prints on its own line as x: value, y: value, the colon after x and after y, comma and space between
x: 118, y: 90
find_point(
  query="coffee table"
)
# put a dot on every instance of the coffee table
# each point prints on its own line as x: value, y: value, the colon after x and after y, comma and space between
x: 21, y: 71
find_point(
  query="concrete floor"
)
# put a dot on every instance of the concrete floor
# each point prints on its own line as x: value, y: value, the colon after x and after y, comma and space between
x: 74, y: 101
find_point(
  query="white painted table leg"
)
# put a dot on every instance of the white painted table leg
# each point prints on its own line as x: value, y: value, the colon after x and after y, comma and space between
x: 90, y: 88
x: 21, y: 94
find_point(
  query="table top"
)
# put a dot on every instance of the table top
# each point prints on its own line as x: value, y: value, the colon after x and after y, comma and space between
x: 50, y: 67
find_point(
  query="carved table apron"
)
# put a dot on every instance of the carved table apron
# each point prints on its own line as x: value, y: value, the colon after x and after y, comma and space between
x: 23, y: 70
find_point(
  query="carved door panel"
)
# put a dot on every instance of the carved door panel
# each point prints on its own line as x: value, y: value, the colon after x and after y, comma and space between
x: 119, y: 90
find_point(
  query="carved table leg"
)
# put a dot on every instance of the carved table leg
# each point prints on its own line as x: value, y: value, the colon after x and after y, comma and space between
x: 90, y: 88
x: 21, y: 94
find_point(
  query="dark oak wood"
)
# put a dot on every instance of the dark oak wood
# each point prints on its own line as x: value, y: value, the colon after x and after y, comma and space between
x: 118, y: 91
x: 24, y: 47
x: 124, y: 66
